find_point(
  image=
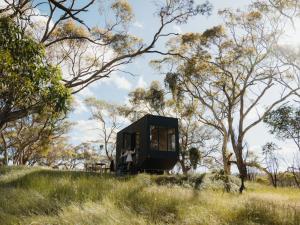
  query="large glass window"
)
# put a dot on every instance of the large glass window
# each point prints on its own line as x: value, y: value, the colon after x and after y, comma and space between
x: 171, y: 139
x: 162, y: 138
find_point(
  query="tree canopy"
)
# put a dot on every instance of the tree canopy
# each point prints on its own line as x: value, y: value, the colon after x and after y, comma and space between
x: 284, y: 122
x: 27, y: 82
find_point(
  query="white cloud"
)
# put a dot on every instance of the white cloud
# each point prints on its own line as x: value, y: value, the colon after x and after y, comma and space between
x: 78, y: 105
x: 121, y: 82
x: 288, y: 152
x: 141, y: 82
x: 84, y: 131
x: 126, y: 100
x: 177, y: 29
x: 291, y: 34
x: 138, y: 24
x: 116, y: 80
x: 86, y: 92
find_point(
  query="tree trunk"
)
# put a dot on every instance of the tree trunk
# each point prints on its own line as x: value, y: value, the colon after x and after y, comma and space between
x: 226, y: 157
x: 242, y: 187
x: 184, y: 168
x: 275, y: 180
x: 295, y: 177
x: 4, y: 148
x: 243, y: 177
x: 242, y: 167
x: 5, y: 157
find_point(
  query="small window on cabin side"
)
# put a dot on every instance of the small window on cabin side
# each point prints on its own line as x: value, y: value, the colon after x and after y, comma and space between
x: 163, y: 138
x: 154, y: 137
x: 171, y: 139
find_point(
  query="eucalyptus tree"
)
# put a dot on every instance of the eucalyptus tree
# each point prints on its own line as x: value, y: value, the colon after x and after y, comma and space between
x: 28, y: 139
x: 284, y: 122
x: 233, y: 70
x: 271, y: 161
x: 110, y: 121
x: 27, y: 83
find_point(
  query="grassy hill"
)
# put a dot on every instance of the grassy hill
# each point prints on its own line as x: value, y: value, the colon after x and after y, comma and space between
x: 42, y: 196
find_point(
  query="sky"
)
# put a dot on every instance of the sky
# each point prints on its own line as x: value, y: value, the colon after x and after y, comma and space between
x: 116, y: 88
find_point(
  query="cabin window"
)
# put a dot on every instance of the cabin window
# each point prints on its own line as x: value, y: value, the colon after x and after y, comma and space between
x: 162, y: 138
x: 171, y: 139
x: 154, y: 137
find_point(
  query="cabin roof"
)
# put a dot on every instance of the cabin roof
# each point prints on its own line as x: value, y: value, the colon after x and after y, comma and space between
x: 146, y: 117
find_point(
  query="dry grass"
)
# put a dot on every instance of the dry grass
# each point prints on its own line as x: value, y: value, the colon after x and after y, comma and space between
x: 39, y: 196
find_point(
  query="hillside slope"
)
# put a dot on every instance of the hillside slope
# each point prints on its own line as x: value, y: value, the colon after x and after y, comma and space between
x: 42, y: 196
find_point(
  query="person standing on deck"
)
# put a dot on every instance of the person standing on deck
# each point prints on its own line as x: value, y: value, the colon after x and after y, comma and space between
x: 128, y: 154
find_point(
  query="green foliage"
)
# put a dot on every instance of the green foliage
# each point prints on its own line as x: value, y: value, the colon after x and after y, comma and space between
x: 27, y: 83
x: 123, y: 10
x: 39, y: 196
x: 155, y: 96
x: 171, y: 83
x: 144, y: 101
x: 285, y: 123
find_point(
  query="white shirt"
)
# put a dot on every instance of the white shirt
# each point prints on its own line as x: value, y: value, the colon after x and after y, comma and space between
x: 128, y: 153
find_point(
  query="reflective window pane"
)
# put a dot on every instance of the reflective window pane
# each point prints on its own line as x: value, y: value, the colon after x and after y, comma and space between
x: 171, y: 139
x: 163, y: 139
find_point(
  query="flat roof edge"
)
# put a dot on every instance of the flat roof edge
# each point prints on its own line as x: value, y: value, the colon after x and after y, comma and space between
x: 145, y: 117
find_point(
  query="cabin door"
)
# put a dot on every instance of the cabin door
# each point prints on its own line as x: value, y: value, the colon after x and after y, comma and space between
x: 128, y: 142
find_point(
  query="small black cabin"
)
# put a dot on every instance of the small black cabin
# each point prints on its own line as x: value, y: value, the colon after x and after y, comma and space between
x: 155, y: 142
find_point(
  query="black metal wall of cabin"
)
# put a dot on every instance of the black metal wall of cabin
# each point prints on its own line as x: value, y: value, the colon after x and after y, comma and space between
x: 138, y: 126
x: 155, y: 159
x: 119, y: 147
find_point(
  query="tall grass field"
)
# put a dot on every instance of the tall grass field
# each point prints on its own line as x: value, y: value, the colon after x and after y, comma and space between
x: 40, y: 196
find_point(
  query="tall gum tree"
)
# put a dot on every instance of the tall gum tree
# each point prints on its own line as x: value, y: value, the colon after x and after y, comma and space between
x: 87, y: 53
x: 109, y: 120
x: 234, y: 70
